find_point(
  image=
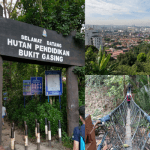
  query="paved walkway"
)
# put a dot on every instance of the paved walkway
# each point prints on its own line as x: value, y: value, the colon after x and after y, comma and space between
x: 128, y: 131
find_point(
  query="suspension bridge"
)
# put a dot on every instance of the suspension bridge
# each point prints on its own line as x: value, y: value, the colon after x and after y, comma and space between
x: 125, y: 128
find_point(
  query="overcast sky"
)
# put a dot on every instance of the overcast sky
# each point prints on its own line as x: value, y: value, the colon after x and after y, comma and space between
x: 117, y: 12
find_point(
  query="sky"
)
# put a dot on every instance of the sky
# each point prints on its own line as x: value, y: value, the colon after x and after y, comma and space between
x: 117, y: 12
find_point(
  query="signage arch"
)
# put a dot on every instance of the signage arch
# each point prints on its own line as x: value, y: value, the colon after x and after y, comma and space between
x: 27, y: 43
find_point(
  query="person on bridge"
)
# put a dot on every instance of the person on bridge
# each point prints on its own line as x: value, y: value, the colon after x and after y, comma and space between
x: 3, y: 114
x: 128, y: 100
x: 79, y: 131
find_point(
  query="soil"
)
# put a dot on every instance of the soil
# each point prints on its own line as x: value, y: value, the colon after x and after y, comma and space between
x: 19, y: 140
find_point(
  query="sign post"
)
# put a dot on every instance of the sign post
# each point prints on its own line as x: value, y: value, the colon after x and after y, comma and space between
x: 72, y: 100
x: 27, y: 43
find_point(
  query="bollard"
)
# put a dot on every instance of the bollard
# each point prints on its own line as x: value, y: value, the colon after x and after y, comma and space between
x: 38, y: 136
x: 49, y: 134
x: 35, y: 128
x: 46, y: 128
x: 12, y: 139
x: 26, y: 137
x: 59, y: 131
x: 24, y: 128
x: 13, y: 125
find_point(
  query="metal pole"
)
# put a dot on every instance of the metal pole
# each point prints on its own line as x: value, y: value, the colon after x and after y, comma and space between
x: 46, y: 133
x: 48, y: 99
x: 59, y: 131
x: 38, y: 136
x: 35, y: 128
x: 12, y: 139
x: 24, y: 102
x: 60, y: 101
x: 13, y: 126
x: 26, y: 137
x: 1, y: 86
x: 49, y: 134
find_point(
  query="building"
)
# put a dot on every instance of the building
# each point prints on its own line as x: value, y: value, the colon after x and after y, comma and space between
x: 97, y: 42
x: 92, y: 37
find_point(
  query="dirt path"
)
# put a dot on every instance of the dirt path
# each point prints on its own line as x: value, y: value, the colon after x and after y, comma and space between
x: 19, y: 144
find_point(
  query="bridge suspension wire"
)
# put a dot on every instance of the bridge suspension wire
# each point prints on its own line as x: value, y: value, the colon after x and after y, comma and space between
x: 125, y: 127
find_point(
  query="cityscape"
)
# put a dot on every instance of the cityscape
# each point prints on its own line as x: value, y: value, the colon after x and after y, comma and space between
x: 116, y: 39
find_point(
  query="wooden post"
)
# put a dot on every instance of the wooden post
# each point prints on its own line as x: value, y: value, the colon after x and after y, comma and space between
x: 72, y: 100
x: 1, y: 87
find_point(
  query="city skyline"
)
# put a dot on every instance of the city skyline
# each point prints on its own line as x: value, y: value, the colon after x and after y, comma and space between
x: 115, y: 12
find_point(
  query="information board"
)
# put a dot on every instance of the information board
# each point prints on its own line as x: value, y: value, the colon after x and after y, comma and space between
x: 53, y: 83
x: 26, y: 87
x: 36, y: 85
x: 24, y: 42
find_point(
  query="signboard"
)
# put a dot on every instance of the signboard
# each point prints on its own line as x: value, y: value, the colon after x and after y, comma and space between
x: 36, y: 85
x: 53, y: 83
x: 26, y: 87
x: 5, y: 98
x: 24, y: 42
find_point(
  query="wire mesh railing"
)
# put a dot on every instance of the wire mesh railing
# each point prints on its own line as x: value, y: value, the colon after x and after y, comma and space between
x: 114, y: 127
x: 140, y: 127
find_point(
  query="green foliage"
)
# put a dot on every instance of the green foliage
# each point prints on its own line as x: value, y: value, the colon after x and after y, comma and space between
x: 141, y: 57
x: 34, y: 110
x: 116, y: 86
x: 90, y: 61
x: 67, y: 141
x: 80, y: 72
x: 60, y: 16
x: 134, y: 62
x: 141, y: 88
x: 94, y: 49
x: 126, y: 59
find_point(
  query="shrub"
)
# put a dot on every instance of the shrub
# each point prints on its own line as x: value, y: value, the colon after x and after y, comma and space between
x: 141, y: 57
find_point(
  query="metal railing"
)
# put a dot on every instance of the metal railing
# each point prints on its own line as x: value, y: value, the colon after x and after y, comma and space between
x: 114, y: 127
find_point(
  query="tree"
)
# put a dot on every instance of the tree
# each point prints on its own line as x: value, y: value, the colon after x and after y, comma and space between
x: 126, y: 59
x: 141, y: 57
x: 60, y: 16
x: 90, y: 61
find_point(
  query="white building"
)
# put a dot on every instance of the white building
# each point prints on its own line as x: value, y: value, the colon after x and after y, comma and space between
x: 97, y: 42
x: 92, y: 37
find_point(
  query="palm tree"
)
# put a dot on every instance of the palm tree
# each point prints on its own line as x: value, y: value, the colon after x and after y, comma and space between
x: 102, y: 61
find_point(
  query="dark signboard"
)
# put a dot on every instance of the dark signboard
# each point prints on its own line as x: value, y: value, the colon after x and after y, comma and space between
x: 24, y: 41
x: 36, y: 85
x: 26, y: 87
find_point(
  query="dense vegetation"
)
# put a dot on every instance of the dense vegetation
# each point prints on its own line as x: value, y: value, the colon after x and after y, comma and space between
x: 36, y: 107
x: 134, y: 62
x: 117, y: 87
x: 63, y: 17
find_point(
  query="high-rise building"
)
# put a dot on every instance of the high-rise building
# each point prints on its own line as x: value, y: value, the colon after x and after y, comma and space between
x: 97, y: 42
x: 92, y: 37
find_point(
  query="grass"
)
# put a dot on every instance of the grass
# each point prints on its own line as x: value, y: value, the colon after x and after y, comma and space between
x: 67, y: 141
